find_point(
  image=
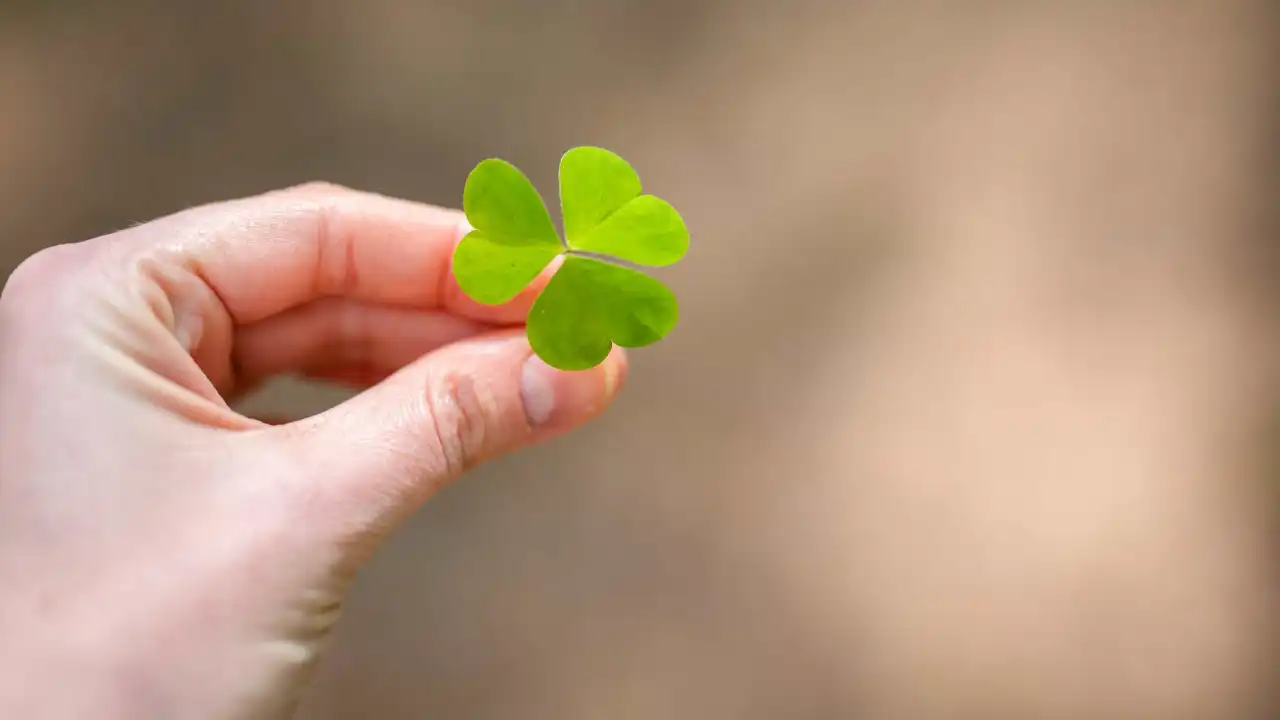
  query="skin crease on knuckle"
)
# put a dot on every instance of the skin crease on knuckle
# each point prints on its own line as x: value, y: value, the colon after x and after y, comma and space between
x: 461, y: 412
x: 424, y: 445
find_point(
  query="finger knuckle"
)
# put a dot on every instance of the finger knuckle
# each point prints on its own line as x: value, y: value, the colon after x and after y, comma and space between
x: 462, y: 418
x: 41, y: 272
x: 319, y: 188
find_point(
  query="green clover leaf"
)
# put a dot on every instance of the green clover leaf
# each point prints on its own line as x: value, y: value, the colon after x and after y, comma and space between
x: 595, y: 300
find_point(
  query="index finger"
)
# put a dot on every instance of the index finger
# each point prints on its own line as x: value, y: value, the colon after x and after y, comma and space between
x: 266, y: 254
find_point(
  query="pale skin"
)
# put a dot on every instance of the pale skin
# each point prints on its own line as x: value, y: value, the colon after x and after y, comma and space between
x: 164, y: 556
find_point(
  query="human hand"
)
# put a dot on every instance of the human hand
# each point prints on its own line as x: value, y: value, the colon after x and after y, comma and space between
x: 161, y: 555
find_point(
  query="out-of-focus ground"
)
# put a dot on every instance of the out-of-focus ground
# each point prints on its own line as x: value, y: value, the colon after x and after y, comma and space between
x: 973, y: 411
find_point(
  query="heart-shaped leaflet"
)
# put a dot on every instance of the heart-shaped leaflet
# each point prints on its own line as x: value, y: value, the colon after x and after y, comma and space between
x: 594, y: 300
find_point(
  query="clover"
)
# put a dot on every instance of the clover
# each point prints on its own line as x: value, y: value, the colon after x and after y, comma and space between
x: 598, y: 297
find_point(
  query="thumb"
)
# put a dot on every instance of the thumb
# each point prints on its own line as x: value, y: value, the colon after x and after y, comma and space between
x: 376, y: 458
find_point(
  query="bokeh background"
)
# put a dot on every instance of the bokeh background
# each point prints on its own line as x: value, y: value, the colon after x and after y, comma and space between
x: 972, y: 411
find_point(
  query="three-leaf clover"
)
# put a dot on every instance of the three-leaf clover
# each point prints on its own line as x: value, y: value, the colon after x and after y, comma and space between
x: 595, y: 299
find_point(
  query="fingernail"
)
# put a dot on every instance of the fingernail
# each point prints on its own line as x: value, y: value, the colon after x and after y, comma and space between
x: 537, y: 390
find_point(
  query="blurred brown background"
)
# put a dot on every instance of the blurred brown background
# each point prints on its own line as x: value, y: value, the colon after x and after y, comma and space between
x: 972, y: 412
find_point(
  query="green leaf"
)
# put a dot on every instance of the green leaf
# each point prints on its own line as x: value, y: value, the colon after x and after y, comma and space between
x: 592, y: 302
x: 589, y: 306
x: 494, y: 269
x: 593, y: 183
x: 513, y: 239
x: 605, y: 213
x: 498, y: 198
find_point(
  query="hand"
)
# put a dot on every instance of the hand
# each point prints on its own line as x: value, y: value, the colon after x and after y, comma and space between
x: 162, y: 556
